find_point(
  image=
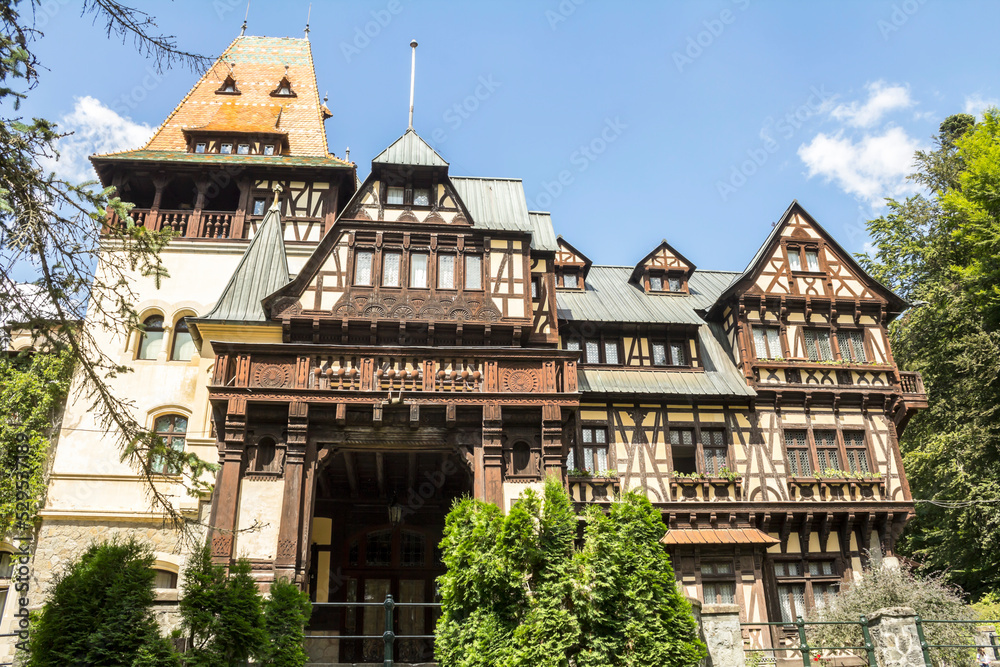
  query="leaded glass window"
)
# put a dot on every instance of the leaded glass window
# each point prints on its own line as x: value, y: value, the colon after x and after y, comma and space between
x: 363, y: 267
x: 713, y: 444
x: 798, y: 453
x: 852, y: 345
x: 474, y: 272
x: 818, y: 345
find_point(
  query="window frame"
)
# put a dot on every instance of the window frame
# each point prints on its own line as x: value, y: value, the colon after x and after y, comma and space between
x: 202, y: 145
x: 146, y: 330
x: 703, y: 448
x: 715, y: 579
x: 595, y: 446
x: 695, y: 442
x: 384, y: 255
x: 226, y: 148
x: 804, y: 578
x: 269, y: 149
x: 169, y: 435
x: 389, y: 193
x: 175, y: 331
x: 412, y: 266
x: 358, y: 253
x: 862, y: 448
x: 442, y: 258
x: 816, y: 332
x: 765, y: 330
x: 839, y: 445
x: 240, y: 149
x: 467, y: 273
x: 849, y: 338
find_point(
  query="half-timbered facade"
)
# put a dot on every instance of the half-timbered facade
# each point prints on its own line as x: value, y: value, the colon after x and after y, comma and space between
x: 361, y: 354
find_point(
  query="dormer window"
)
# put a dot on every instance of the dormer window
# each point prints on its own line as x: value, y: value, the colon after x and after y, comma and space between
x: 812, y: 260
x: 660, y: 281
x: 258, y: 206
x: 199, y: 147
x: 421, y: 197
x: 569, y: 280
x: 394, y: 196
x: 243, y: 149
x: 284, y: 88
x: 268, y: 149
x: 226, y: 149
x: 228, y: 87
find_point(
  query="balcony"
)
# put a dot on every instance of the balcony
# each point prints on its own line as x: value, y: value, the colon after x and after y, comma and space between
x: 188, y: 223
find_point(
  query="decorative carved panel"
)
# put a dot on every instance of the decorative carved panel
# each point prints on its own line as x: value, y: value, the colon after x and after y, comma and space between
x: 271, y: 376
x: 520, y: 379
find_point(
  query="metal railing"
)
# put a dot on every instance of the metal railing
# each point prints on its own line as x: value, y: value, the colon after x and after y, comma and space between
x: 806, y: 650
x: 389, y: 637
x: 927, y: 647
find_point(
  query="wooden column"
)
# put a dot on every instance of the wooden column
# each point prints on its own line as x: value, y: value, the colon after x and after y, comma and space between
x: 492, y: 453
x: 194, y: 222
x: 552, y: 444
x: 160, y: 182
x: 225, y: 501
x: 239, y: 220
x: 286, y: 557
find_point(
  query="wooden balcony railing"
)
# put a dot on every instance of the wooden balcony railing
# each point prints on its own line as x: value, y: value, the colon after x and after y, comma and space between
x: 185, y: 222
x: 912, y: 382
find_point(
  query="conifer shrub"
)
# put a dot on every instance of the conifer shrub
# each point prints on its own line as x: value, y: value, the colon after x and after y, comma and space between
x: 285, y: 616
x: 222, y: 613
x: 520, y: 592
x: 99, y: 612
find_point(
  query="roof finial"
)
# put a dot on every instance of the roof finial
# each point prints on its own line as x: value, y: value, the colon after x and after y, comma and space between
x: 277, y: 195
x: 308, y: 16
x: 243, y: 31
x: 413, y: 74
x: 347, y: 154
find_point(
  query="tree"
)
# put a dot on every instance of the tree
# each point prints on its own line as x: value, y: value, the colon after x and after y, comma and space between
x: 222, y: 613
x: 520, y: 592
x: 285, y: 616
x: 883, y: 587
x: 940, y: 250
x: 99, y: 612
x: 58, y: 228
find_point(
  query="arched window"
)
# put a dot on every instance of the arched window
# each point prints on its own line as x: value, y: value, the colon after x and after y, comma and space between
x: 164, y: 578
x: 6, y: 566
x: 151, y: 337
x: 521, y: 458
x: 183, y: 345
x: 172, y: 428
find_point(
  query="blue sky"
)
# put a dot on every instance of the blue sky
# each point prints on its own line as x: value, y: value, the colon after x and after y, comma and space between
x: 630, y: 122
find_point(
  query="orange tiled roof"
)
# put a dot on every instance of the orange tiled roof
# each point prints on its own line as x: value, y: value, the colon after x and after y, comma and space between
x: 257, y: 64
x: 717, y: 536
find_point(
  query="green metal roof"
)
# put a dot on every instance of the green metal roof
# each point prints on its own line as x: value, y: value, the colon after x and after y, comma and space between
x: 610, y: 297
x: 410, y: 150
x: 494, y: 203
x: 543, y: 236
x: 263, y: 270
x: 216, y: 158
x: 720, y: 377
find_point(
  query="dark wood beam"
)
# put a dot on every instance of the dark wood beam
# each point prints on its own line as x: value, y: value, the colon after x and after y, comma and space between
x: 352, y: 475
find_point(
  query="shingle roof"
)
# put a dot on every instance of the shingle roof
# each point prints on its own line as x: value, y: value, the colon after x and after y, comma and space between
x: 543, y: 236
x: 495, y: 203
x: 700, y: 536
x: 411, y: 150
x: 610, y: 297
x: 720, y: 377
x: 263, y: 270
x: 257, y: 64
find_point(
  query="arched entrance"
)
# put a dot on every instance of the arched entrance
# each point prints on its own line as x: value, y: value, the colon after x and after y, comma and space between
x: 361, y: 551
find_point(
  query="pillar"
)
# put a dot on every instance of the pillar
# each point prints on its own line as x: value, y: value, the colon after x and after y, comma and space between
x: 552, y: 444
x: 492, y: 448
x: 225, y: 501
x: 720, y: 627
x: 895, y: 637
x: 286, y: 558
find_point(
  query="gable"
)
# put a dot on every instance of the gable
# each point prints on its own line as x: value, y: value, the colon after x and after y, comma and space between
x: 567, y: 255
x: 801, y: 259
x: 370, y: 202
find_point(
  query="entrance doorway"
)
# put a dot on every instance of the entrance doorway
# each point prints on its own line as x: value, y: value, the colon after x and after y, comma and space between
x: 362, y: 551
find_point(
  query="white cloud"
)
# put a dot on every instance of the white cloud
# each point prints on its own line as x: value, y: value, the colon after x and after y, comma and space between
x: 977, y: 103
x: 96, y: 129
x: 870, y: 168
x: 882, y: 99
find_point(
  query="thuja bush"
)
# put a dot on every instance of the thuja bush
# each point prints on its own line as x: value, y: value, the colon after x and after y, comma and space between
x: 285, y: 616
x: 222, y: 613
x: 99, y: 612
x: 520, y: 591
x: 882, y: 587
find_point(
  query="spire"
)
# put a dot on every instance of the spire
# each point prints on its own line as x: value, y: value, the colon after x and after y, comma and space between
x: 308, y: 16
x: 243, y: 31
x: 413, y: 75
x: 262, y: 271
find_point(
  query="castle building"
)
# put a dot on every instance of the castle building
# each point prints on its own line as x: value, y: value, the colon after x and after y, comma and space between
x: 356, y: 355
